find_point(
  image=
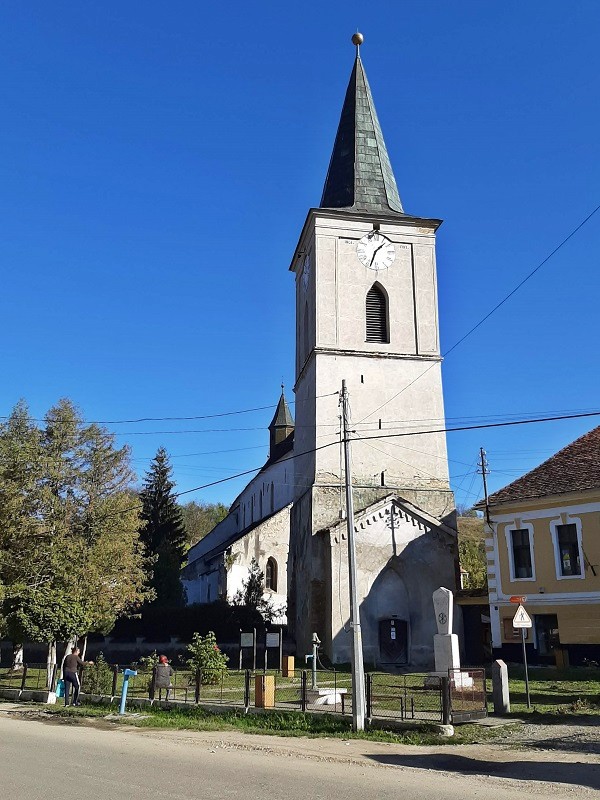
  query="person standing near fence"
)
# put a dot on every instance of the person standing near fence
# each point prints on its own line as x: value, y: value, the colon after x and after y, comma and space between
x: 71, y: 664
x: 163, y: 673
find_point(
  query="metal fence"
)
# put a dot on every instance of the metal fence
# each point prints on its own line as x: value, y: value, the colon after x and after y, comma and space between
x: 29, y: 677
x: 419, y: 697
x: 468, y: 694
x: 405, y: 697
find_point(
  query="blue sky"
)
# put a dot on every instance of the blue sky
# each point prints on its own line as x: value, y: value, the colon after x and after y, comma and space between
x: 157, y: 165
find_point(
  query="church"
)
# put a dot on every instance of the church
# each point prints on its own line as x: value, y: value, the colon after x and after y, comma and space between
x: 366, y: 313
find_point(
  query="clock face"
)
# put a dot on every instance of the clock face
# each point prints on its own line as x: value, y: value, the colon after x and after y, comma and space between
x: 375, y: 251
x: 306, y: 272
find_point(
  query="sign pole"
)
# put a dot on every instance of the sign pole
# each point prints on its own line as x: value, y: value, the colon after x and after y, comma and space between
x: 525, y: 666
x: 266, y: 654
x: 280, y: 648
x: 522, y: 620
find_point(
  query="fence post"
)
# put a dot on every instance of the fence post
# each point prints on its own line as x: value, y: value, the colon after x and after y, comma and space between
x: 152, y: 689
x: 446, y: 701
x: 303, y: 690
x: 197, y: 688
x: 369, y: 678
x: 247, y: 689
x: 485, y: 692
x: 23, y: 677
x: 113, y: 690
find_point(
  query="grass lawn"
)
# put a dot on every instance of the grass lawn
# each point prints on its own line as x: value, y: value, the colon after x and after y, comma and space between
x: 552, y: 691
x: 278, y: 723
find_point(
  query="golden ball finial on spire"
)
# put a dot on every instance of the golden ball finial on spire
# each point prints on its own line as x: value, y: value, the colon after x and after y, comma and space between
x: 357, y: 39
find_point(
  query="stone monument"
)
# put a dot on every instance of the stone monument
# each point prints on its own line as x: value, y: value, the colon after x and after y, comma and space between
x: 500, y: 691
x: 445, y: 643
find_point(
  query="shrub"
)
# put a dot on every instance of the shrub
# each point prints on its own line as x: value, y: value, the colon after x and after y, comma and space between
x: 147, y: 663
x: 206, y: 661
x: 98, y: 678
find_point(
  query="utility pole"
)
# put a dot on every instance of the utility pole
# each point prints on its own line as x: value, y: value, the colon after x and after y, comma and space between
x: 483, y: 466
x: 358, y: 672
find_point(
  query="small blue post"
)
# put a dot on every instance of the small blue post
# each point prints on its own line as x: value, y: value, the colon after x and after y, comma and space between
x: 127, y: 673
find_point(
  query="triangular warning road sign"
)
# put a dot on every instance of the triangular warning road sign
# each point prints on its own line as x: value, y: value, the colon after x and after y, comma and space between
x: 522, y: 619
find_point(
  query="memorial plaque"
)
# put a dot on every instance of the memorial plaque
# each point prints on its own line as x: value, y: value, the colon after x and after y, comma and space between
x: 246, y: 640
x: 273, y: 639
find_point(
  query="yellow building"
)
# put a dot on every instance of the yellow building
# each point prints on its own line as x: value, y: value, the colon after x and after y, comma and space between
x: 543, y: 542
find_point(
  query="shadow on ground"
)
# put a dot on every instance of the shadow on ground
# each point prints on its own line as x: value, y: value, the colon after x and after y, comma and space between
x: 565, y: 744
x: 577, y: 773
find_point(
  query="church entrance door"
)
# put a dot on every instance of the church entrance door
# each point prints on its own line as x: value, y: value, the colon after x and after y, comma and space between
x: 393, y: 641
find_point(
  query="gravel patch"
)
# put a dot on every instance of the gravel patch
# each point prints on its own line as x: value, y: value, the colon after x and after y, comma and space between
x: 579, y: 735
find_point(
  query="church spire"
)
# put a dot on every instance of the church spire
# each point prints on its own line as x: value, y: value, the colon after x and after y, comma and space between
x: 360, y: 176
x: 282, y: 423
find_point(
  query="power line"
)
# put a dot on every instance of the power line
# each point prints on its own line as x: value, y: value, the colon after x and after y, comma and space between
x: 469, y: 418
x: 381, y: 436
x: 183, y: 419
x: 492, y: 311
x: 478, y: 427
x: 207, y: 452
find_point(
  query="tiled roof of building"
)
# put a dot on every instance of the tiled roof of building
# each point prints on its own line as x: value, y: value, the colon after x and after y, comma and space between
x: 575, y: 468
x: 360, y: 176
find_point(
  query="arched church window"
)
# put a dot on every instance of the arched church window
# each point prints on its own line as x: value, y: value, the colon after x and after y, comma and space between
x: 271, y: 575
x: 377, y: 327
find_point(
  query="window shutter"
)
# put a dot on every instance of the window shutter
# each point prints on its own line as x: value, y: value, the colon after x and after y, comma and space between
x: 376, y: 308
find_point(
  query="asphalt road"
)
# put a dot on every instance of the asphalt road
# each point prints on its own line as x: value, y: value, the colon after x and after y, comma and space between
x: 41, y: 761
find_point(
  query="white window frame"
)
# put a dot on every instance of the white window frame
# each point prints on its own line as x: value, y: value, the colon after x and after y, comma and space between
x: 519, y: 526
x: 567, y: 520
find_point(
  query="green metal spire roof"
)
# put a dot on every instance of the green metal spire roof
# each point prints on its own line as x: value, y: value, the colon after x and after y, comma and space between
x: 283, y: 416
x: 360, y: 176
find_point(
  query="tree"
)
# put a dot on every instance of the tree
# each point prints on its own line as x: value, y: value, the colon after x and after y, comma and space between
x: 471, y: 551
x: 252, y: 595
x: 163, y: 531
x: 71, y: 561
x: 463, y: 510
x: 21, y: 545
x: 201, y: 518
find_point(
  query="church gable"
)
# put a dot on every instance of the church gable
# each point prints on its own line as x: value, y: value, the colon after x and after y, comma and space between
x: 394, y: 523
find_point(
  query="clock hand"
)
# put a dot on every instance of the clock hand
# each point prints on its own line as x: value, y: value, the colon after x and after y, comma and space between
x: 375, y: 253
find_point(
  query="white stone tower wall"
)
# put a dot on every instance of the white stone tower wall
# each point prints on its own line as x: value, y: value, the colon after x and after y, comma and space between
x: 409, y: 366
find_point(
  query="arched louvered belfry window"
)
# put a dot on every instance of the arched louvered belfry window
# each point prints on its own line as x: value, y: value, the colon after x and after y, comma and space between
x: 271, y: 575
x: 377, y: 327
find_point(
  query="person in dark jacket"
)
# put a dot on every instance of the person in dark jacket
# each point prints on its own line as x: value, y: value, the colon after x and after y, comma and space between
x: 163, y: 673
x: 71, y: 664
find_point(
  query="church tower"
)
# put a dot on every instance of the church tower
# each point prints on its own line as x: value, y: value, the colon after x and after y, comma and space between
x: 366, y: 312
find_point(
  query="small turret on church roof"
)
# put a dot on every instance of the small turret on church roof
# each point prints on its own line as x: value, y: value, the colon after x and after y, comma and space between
x: 360, y: 176
x: 282, y: 423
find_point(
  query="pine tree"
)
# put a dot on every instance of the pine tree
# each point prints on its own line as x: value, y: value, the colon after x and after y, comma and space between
x: 163, y: 531
x: 254, y: 587
x: 252, y: 595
